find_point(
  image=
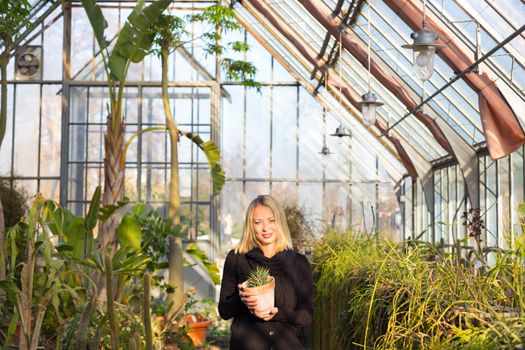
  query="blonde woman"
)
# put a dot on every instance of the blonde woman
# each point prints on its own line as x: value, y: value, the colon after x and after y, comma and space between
x: 266, y: 241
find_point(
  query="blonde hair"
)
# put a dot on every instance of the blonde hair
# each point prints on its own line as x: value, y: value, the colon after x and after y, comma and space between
x: 249, y: 241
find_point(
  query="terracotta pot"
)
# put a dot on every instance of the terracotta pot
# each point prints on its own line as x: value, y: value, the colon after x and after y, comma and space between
x: 197, y: 331
x: 265, y: 294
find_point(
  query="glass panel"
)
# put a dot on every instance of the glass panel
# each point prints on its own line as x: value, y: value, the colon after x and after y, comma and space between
x: 51, y: 131
x: 338, y: 206
x: 309, y: 195
x: 27, y: 130
x: 284, y: 132
x: 7, y: 143
x: 504, y: 205
x: 310, y: 137
x: 50, y: 189
x: 257, y: 134
x: 233, y: 209
x: 202, y: 221
x: 233, y: 133
x: 492, y: 202
x: 517, y: 188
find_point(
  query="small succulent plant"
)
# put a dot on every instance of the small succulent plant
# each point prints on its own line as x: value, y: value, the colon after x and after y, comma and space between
x: 258, y: 277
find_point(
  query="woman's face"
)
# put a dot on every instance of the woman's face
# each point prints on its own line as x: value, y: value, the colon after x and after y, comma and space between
x: 264, y: 225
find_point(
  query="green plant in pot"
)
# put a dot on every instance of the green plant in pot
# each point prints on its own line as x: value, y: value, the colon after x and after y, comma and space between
x: 261, y: 285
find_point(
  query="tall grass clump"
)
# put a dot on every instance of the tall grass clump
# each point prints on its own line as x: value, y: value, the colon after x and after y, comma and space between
x: 374, y: 294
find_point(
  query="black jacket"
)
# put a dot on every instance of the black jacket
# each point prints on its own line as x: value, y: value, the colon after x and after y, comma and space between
x: 293, y: 298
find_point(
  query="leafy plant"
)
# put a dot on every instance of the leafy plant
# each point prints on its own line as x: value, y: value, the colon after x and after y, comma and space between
x: 258, y: 277
x: 36, y: 276
x: 14, y: 15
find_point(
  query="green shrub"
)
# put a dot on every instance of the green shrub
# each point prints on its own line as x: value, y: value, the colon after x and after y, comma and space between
x: 14, y: 202
x: 375, y: 294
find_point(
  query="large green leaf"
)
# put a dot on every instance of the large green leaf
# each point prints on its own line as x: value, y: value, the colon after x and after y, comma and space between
x: 212, y: 153
x: 201, y: 256
x: 129, y: 232
x: 97, y: 20
x: 79, y: 238
x: 94, y: 207
x: 136, y: 37
x: 57, y: 218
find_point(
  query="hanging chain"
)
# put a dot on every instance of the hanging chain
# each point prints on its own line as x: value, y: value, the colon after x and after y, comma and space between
x: 340, y: 74
x: 369, y: 42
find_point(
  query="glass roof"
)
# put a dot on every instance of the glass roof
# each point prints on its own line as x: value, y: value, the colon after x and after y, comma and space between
x: 302, y: 69
x: 457, y: 105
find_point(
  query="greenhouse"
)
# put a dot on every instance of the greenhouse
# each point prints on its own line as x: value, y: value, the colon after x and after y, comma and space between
x: 139, y: 141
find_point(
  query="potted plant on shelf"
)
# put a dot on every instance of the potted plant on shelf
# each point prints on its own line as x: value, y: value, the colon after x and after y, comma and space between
x: 261, y: 285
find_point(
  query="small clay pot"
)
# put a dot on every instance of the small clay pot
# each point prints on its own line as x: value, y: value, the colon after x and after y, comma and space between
x: 265, y: 294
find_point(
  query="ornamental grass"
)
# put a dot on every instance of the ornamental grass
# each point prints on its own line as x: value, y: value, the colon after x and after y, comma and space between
x: 374, y: 294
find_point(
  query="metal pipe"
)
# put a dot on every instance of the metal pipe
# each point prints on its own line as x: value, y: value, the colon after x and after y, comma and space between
x: 456, y: 77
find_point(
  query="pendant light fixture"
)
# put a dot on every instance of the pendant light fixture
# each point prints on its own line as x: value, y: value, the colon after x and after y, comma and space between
x: 424, y: 49
x: 341, y: 131
x: 369, y: 103
x: 325, y: 151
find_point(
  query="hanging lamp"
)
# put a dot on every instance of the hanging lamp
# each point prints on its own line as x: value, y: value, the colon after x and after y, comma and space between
x: 369, y: 103
x: 325, y: 151
x: 424, y: 49
x: 341, y: 130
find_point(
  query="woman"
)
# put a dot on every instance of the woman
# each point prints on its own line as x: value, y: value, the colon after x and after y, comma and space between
x: 266, y: 242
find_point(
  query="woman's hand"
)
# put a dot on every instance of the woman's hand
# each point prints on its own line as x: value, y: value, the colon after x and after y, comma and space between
x: 266, y: 315
x: 249, y: 300
x: 251, y: 303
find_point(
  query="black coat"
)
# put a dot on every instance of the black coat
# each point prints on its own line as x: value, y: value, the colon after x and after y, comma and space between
x: 293, y: 298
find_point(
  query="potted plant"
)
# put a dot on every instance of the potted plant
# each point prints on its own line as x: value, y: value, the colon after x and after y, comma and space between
x: 261, y: 285
x: 198, y: 317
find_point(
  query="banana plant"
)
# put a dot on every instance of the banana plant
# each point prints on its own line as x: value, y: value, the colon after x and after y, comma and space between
x: 133, y: 43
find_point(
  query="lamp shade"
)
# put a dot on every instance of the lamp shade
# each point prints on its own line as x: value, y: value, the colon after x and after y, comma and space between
x: 325, y: 151
x: 424, y: 48
x: 341, y: 131
x: 369, y: 106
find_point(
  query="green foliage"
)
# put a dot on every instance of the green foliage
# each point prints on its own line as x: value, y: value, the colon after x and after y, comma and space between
x: 212, y: 153
x: 169, y: 33
x: 98, y: 22
x: 380, y: 295
x: 155, y: 234
x: 136, y: 37
x: 258, y: 277
x: 14, y: 14
x: 129, y: 232
x: 220, y: 20
x: 37, y: 278
x: 217, y: 20
x: 14, y: 203
x: 212, y: 269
